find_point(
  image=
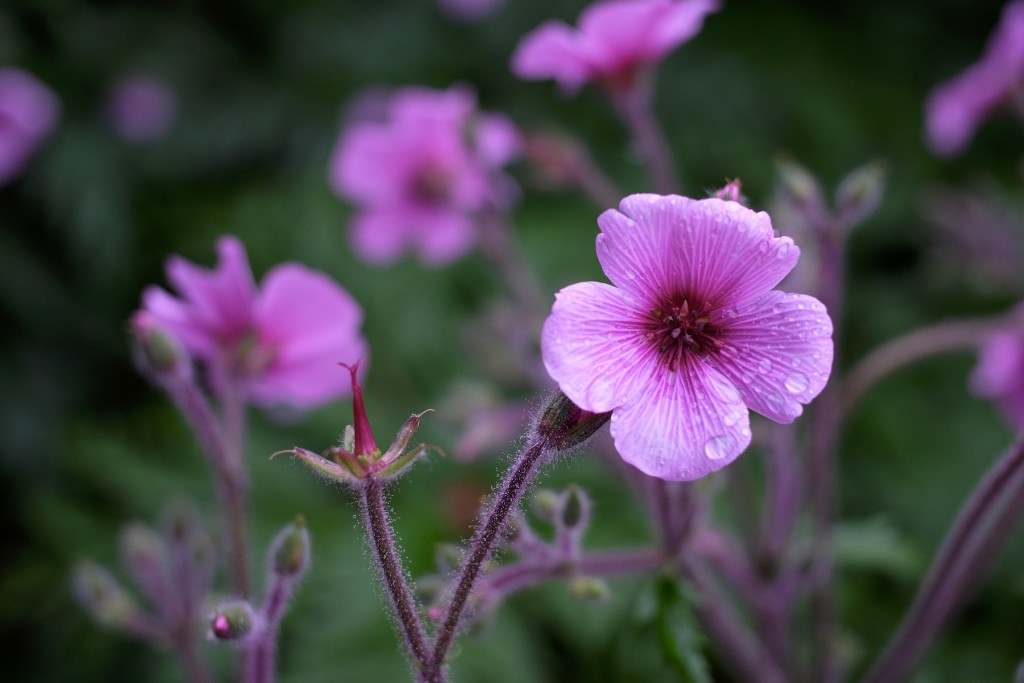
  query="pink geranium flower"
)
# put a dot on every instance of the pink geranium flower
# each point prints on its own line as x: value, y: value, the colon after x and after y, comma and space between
x: 999, y: 375
x: 614, y: 40
x: 282, y: 341
x: 689, y: 335
x: 423, y: 176
x: 28, y: 113
x: 956, y: 108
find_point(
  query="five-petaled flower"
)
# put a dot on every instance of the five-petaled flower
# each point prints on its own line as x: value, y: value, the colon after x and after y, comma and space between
x: 280, y: 342
x: 956, y: 108
x: 614, y: 41
x: 423, y: 177
x: 690, y: 336
x: 28, y: 112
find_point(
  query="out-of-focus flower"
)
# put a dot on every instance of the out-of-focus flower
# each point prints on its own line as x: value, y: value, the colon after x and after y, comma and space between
x: 615, y: 39
x: 424, y: 175
x: 140, y: 107
x: 281, y: 340
x: 690, y: 336
x: 956, y: 108
x: 469, y: 10
x: 28, y: 113
x: 999, y: 375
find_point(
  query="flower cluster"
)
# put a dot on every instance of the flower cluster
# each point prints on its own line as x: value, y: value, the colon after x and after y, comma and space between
x: 424, y: 175
x: 690, y: 336
x: 280, y: 341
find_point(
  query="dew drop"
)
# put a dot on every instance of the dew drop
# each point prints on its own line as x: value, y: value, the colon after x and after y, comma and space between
x: 765, y: 366
x: 796, y: 383
x: 782, y: 251
x: 719, y: 447
x: 732, y: 418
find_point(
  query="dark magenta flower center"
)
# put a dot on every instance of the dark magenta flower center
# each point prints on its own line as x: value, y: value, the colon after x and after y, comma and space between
x: 680, y: 327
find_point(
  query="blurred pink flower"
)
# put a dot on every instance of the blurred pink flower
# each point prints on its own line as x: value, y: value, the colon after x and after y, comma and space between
x: 956, y: 108
x: 614, y: 40
x: 690, y: 336
x: 423, y: 176
x: 28, y: 113
x: 140, y: 107
x: 999, y: 375
x: 283, y: 341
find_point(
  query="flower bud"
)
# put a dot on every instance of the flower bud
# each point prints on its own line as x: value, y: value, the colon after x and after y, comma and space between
x: 860, y: 193
x: 289, y: 551
x: 546, y: 504
x: 732, y: 192
x: 589, y: 588
x: 801, y: 189
x: 102, y: 596
x: 575, y: 508
x: 156, y: 351
x: 144, y: 553
x: 233, y: 621
x: 564, y: 425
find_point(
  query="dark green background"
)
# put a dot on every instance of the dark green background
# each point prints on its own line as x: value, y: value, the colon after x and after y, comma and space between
x: 87, y: 445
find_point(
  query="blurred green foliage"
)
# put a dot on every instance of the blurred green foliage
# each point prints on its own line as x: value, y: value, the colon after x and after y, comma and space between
x: 263, y: 86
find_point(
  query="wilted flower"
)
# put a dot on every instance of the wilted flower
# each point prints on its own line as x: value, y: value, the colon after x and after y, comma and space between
x: 999, y: 375
x: 956, y: 108
x: 281, y: 341
x: 424, y: 175
x: 615, y: 39
x: 140, y: 107
x: 28, y: 112
x: 690, y: 336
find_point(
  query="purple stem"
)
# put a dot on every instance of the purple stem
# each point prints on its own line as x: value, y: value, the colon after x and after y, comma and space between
x: 262, y: 653
x: 785, y: 491
x: 634, y: 105
x: 232, y: 484
x: 510, y: 492
x: 403, y: 602
x: 594, y: 183
x: 975, y: 538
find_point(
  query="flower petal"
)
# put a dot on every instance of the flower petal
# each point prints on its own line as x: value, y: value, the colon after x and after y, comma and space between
x: 592, y: 348
x: 713, y: 250
x: 221, y: 299
x: 779, y: 353
x: 684, y: 425
x: 550, y: 51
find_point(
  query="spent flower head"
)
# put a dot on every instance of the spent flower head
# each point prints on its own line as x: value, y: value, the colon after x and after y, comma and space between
x: 280, y: 340
x: 690, y: 334
x: 28, y: 113
x: 424, y: 175
x: 957, y: 107
x: 614, y: 41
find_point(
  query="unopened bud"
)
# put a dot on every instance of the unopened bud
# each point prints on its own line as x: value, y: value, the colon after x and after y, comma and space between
x: 589, y: 588
x: 575, y: 507
x: 102, y: 596
x: 290, y: 549
x: 800, y: 187
x: 546, y: 504
x: 145, y: 555
x: 233, y: 621
x: 564, y: 425
x: 157, y: 351
x: 732, y: 192
x: 860, y: 193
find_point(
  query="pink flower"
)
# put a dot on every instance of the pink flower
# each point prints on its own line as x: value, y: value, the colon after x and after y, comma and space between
x: 140, y: 107
x: 28, y: 113
x: 690, y: 336
x: 614, y: 40
x: 999, y: 375
x: 956, y: 108
x: 424, y: 175
x: 282, y: 341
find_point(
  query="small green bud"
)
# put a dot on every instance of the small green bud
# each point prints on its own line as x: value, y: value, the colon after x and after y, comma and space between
x: 589, y: 588
x: 233, y: 621
x: 546, y: 504
x: 102, y: 596
x: 860, y: 193
x: 575, y: 507
x: 290, y: 549
x: 564, y: 425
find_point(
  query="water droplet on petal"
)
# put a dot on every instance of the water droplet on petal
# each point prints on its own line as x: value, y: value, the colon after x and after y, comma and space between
x: 782, y: 251
x: 719, y: 447
x: 732, y: 418
x: 796, y: 383
x: 765, y: 366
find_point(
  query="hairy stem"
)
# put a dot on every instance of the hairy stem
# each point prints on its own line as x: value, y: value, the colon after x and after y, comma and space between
x: 403, y: 603
x: 971, y: 545
x: 506, y: 500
